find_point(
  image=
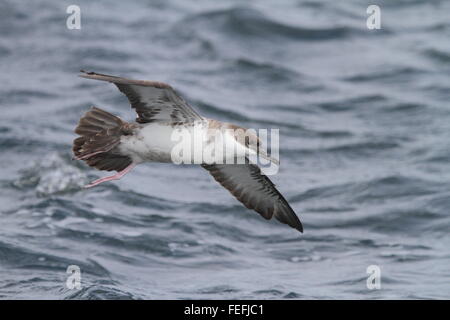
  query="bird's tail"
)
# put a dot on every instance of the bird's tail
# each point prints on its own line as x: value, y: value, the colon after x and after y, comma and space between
x: 100, y: 133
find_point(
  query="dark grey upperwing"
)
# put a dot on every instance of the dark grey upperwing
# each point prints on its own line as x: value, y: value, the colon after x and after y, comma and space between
x: 255, y: 190
x: 153, y: 101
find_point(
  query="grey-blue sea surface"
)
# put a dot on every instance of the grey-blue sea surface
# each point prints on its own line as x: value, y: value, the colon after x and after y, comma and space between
x: 364, y: 119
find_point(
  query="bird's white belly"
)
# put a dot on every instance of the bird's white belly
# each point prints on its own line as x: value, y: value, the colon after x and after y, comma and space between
x: 181, y: 144
x: 154, y: 142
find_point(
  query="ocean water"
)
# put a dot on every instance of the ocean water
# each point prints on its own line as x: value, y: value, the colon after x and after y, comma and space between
x: 364, y: 119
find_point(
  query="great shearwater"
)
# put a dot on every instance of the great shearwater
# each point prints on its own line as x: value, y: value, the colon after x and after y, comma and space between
x: 108, y: 143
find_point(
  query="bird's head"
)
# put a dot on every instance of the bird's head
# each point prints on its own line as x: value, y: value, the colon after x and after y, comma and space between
x: 249, y: 138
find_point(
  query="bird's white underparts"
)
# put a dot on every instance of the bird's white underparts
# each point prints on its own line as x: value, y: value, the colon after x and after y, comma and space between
x: 203, y: 142
x: 168, y: 129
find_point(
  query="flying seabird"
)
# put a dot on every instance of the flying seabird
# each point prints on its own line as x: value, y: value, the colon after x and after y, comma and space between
x: 109, y: 143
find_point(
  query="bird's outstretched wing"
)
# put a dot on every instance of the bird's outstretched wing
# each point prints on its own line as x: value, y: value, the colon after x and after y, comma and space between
x: 255, y: 190
x: 153, y: 101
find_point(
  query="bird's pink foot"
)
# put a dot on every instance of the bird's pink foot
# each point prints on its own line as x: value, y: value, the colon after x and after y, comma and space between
x: 117, y: 176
